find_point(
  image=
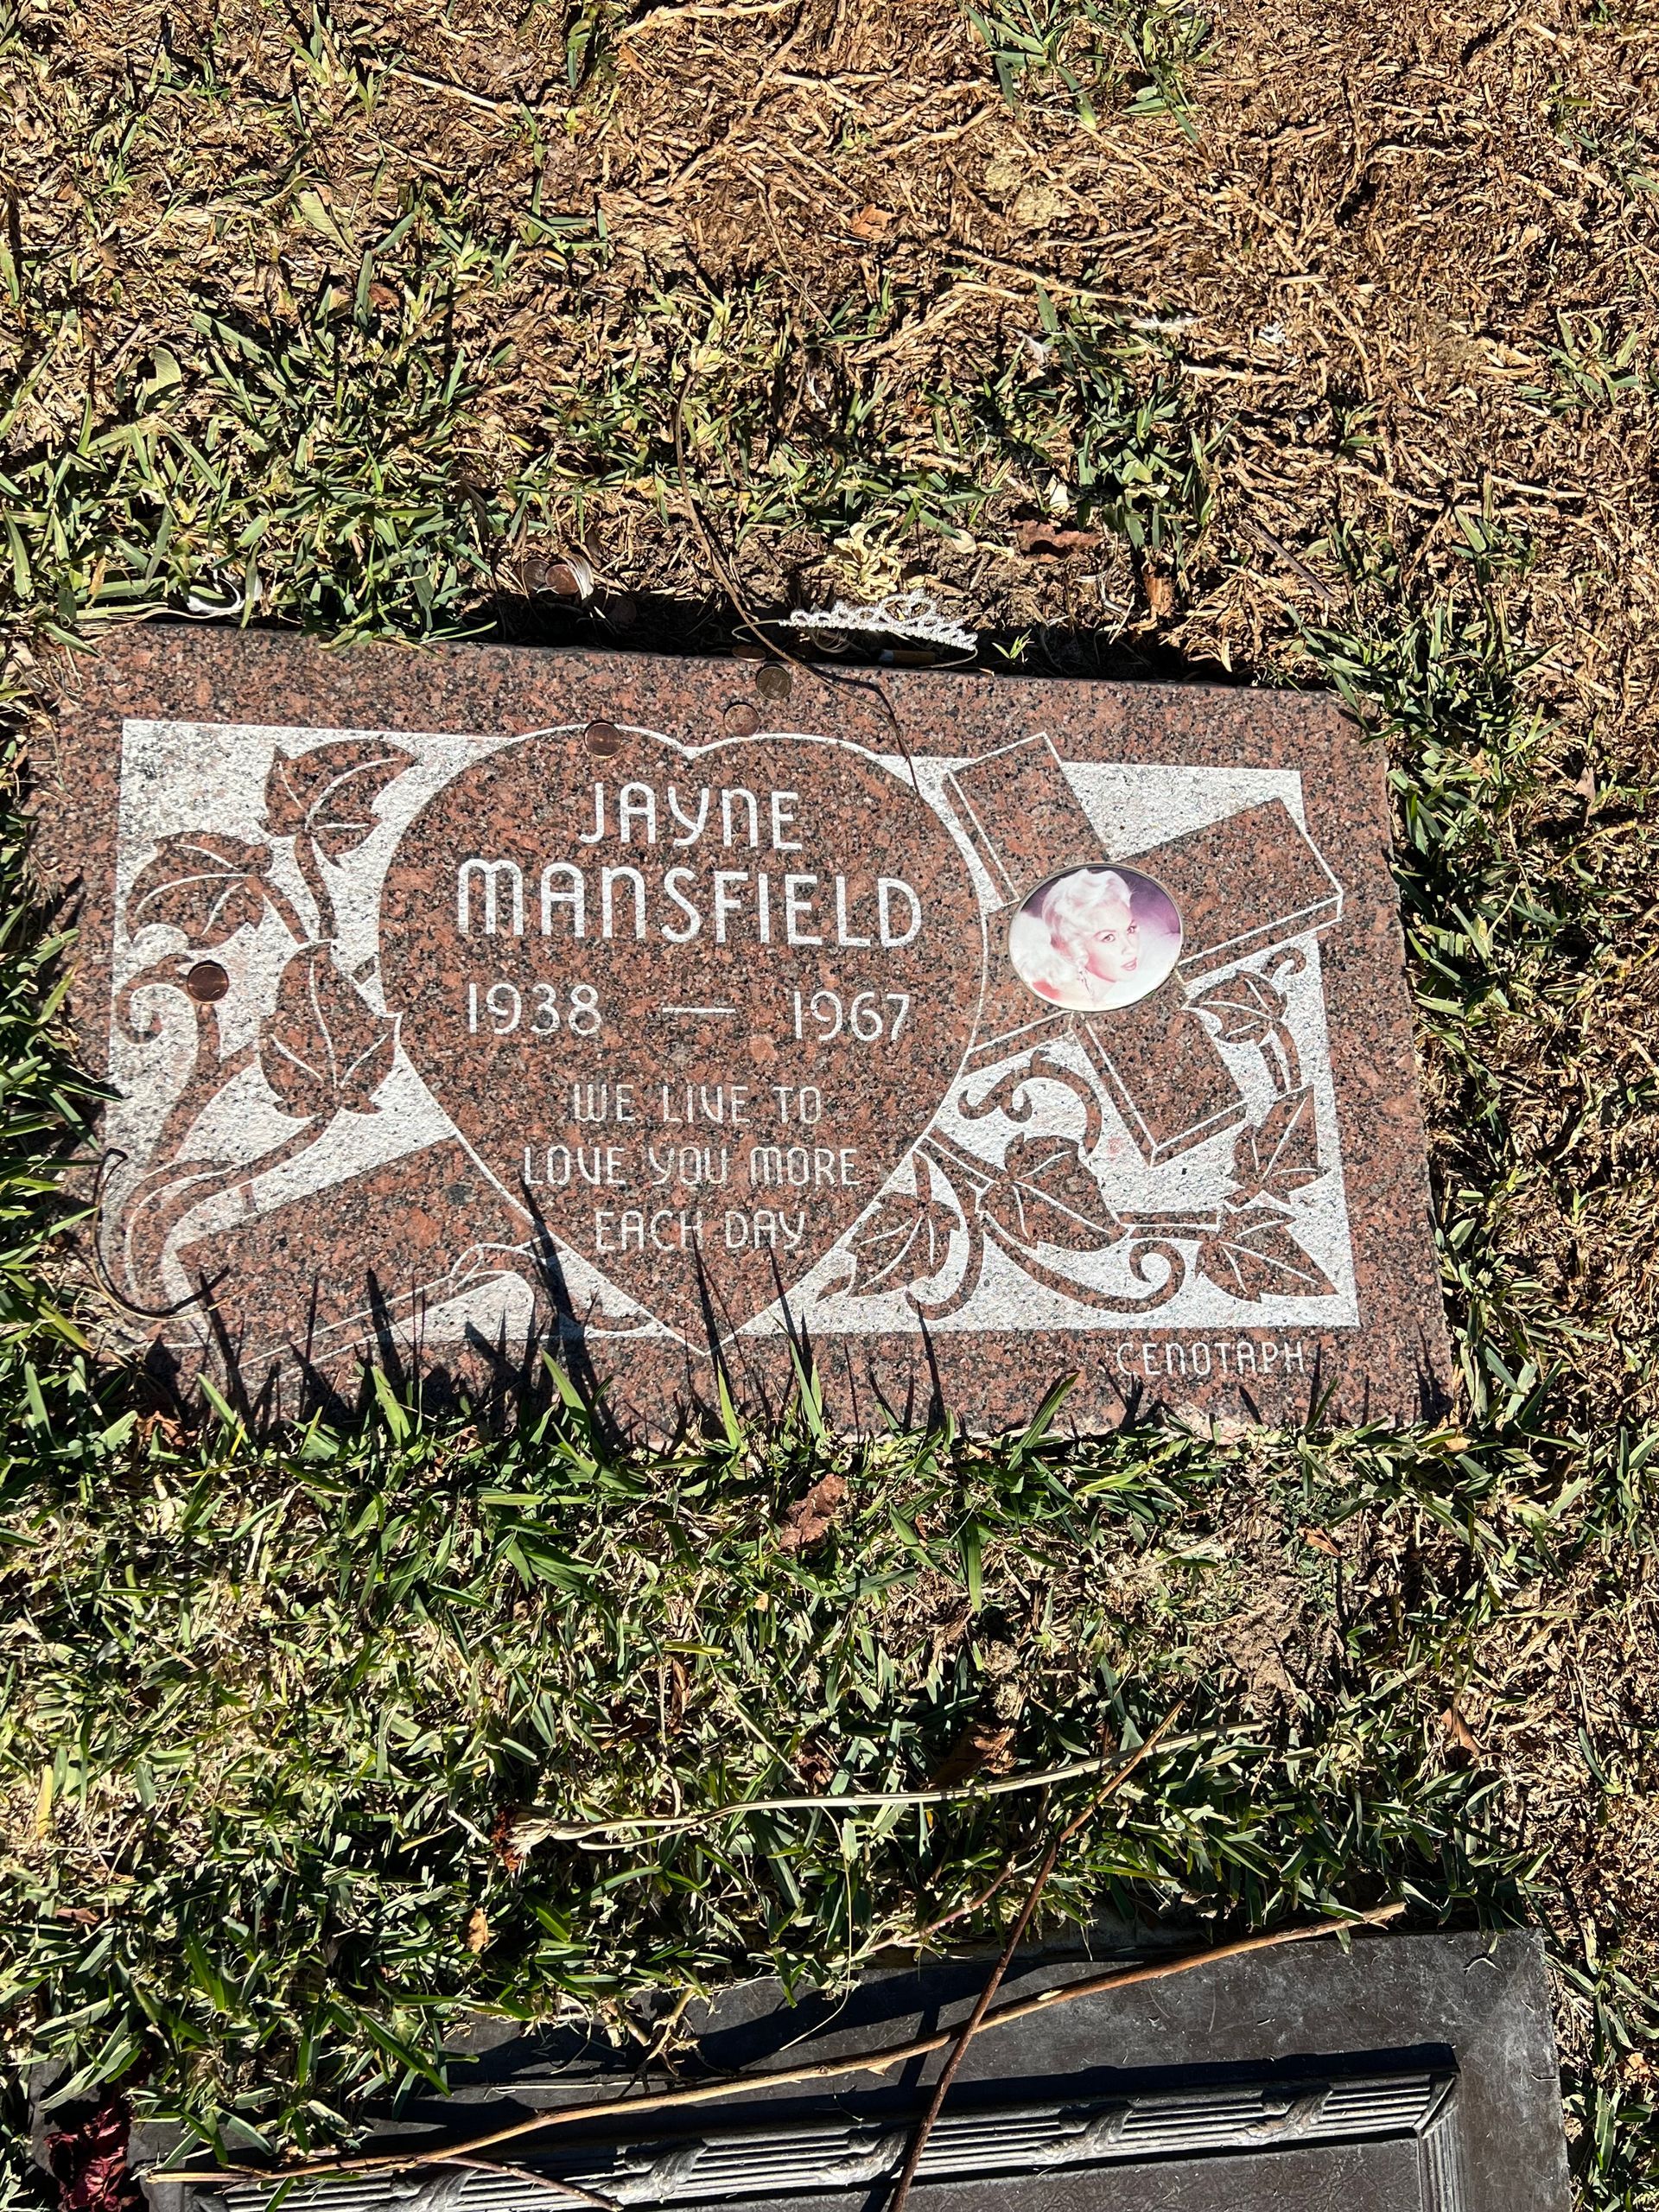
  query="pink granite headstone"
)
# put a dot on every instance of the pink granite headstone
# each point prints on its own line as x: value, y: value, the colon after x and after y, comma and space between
x: 462, y: 1002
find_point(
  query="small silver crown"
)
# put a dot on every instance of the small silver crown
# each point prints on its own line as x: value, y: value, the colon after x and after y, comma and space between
x: 902, y: 614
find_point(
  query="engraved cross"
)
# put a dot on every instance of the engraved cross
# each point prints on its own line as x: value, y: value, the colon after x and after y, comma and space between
x: 1242, y: 885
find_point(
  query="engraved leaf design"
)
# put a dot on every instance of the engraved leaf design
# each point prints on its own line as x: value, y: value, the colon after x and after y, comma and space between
x: 1254, y: 1256
x: 1283, y: 1154
x: 1048, y: 1196
x: 329, y: 793
x: 904, y: 1240
x: 203, y: 883
x: 1014, y: 1096
x: 1245, y: 1007
x: 324, y: 1050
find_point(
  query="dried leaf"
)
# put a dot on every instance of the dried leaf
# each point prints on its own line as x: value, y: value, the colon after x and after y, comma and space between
x: 89, y: 2162
x: 816, y: 1763
x: 329, y: 793
x: 324, y: 1050
x: 313, y: 210
x: 1317, y: 1540
x: 1459, y: 1731
x: 1048, y: 1195
x: 1254, y: 1256
x: 1281, y: 1154
x: 478, y: 1931
x: 1047, y: 541
x: 503, y: 1832
x: 980, y: 1749
x: 206, y: 884
x: 1160, y: 594
x: 812, y: 1516
x: 872, y: 222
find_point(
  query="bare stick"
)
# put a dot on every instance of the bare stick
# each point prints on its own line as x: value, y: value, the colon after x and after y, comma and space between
x: 728, y: 582
x: 970, y: 2026
x: 829, y: 2069
x: 918, y: 1938
x: 530, y: 1829
x: 654, y: 19
x: 539, y: 2181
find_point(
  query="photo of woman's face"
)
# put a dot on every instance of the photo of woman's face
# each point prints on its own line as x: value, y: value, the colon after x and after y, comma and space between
x: 1095, y: 938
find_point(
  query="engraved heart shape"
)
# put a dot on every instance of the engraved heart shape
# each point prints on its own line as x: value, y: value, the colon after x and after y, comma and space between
x: 687, y: 1007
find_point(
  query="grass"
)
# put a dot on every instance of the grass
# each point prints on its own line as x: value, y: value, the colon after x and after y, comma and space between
x: 291, y: 337
x: 1137, y: 57
x: 298, y: 1696
x: 341, y: 473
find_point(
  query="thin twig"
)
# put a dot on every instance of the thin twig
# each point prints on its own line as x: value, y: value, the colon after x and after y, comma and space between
x: 665, y: 2035
x: 456, y: 91
x: 529, y: 1830
x: 1263, y: 536
x: 684, y: 10
x: 970, y: 2026
x: 827, y: 2069
x: 728, y: 582
x: 918, y: 1937
x: 538, y: 2181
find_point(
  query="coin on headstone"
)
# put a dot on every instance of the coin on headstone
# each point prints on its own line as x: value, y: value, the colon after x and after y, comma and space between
x: 207, y: 982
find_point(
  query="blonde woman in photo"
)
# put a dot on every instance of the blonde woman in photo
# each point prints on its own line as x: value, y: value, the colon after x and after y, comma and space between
x: 1078, y: 942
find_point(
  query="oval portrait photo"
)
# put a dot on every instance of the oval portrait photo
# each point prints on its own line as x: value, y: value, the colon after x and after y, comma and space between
x: 1095, y: 938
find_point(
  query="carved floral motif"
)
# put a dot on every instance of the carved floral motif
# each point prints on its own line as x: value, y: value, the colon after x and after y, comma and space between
x: 1248, y: 1008
x: 904, y: 1240
x: 322, y: 1048
x: 1047, y: 1199
x: 205, y: 884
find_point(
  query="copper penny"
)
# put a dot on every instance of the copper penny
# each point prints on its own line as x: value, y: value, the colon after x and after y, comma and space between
x: 740, y: 720
x: 604, y: 739
x: 207, y: 982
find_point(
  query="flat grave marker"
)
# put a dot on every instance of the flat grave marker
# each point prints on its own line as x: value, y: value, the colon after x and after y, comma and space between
x: 466, y: 1001
x: 1411, y: 2074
